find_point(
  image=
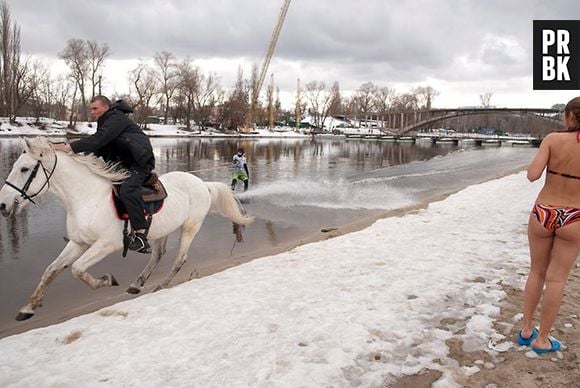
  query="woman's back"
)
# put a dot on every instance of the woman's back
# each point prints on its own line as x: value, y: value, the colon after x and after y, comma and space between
x: 559, y: 155
x: 562, y: 186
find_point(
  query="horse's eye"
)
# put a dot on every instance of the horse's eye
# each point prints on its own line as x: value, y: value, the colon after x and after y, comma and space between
x: 24, y: 169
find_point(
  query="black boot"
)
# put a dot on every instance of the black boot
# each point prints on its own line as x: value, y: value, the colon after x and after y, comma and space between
x: 139, y: 243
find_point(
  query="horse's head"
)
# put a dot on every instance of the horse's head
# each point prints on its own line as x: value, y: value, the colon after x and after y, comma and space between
x: 29, y: 176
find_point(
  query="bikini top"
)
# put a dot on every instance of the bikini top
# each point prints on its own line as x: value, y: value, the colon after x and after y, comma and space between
x: 564, y: 174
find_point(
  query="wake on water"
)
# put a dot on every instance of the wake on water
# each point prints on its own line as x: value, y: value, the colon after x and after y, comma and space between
x: 392, y: 187
x: 331, y: 194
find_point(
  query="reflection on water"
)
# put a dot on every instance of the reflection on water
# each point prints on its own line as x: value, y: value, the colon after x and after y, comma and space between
x: 271, y: 160
x: 271, y: 233
x: 13, y: 234
x: 237, y: 229
x: 286, y: 161
x: 18, y: 227
x: 297, y: 188
x: 14, y: 231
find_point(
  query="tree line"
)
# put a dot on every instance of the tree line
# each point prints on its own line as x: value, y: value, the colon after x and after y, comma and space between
x: 169, y: 90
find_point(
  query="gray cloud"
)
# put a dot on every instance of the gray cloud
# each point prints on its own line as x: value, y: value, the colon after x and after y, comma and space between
x: 368, y: 40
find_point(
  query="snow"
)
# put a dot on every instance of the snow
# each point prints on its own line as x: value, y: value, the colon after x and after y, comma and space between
x: 27, y: 126
x: 362, y: 309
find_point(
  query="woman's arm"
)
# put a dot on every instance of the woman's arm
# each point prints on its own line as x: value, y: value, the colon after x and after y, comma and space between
x: 540, y: 160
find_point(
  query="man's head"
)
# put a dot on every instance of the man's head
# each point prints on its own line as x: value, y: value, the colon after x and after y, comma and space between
x: 98, y: 106
x: 240, y: 151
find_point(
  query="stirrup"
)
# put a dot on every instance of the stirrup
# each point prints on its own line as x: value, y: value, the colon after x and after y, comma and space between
x: 139, y: 244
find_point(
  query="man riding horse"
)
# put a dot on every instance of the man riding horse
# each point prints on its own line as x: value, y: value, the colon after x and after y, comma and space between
x: 119, y: 139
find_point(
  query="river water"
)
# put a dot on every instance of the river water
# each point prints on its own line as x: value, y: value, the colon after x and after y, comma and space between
x: 297, y: 188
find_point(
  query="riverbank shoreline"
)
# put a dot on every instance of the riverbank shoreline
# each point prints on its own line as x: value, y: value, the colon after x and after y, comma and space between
x: 29, y: 127
x: 332, y: 230
x: 443, y: 317
x: 47, y: 318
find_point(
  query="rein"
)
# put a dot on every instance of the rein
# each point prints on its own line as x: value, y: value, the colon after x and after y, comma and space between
x: 28, y: 182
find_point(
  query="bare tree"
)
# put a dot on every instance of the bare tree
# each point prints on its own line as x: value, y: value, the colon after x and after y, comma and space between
x: 383, y: 99
x: 75, y: 56
x: 96, y: 55
x: 60, y: 93
x: 5, y: 35
x: 9, y: 60
x: 43, y: 97
x: 299, y: 106
x: 335, y: 107
x: 320, y: 100
x: 27, y: 84
x: 188, y: 79
x: 73, y: 103
x: 206, y: 98
x: 485, y: 99
x: 425, y: 96
x: 167, y: 74
x: 270, y: 98
x: 235, y: 108
x: 405, y: 102
x: 366, y: 98
x: 145, y: 85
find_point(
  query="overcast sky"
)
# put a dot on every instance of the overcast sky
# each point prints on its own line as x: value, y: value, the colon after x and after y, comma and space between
x: 462, y: 48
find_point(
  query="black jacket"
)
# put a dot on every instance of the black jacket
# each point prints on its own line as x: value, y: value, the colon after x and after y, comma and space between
x: 118, y: 139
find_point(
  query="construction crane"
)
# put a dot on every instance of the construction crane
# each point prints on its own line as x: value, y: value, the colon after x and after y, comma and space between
x: 265, y: 64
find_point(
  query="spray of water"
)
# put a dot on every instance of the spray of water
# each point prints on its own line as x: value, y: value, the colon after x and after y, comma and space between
x: 331, y: 194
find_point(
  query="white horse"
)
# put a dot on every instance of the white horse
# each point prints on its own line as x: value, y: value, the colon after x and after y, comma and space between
x: 83, y: 184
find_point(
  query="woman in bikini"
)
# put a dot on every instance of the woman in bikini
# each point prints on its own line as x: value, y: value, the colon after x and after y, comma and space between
x: 553, y: 229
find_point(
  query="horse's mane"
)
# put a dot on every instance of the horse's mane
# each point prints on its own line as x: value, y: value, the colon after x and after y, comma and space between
x: 109, y: 171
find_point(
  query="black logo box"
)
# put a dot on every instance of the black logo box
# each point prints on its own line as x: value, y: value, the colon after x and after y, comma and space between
x: 573, y: 28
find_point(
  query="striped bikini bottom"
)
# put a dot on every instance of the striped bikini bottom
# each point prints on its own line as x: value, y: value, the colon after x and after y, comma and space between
x: 553, y: 218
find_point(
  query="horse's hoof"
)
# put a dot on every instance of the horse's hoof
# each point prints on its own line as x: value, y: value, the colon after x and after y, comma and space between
x: 111, y: 279
x: 23, y: 316
x: 133, y: 290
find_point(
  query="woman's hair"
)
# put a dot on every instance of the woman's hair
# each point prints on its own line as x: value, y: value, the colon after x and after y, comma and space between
x: 573, y: 106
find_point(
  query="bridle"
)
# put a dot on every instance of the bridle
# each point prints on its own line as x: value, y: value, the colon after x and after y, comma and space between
x: 47, y: 174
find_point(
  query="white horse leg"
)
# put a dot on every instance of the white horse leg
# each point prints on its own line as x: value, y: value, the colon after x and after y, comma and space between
x: 159, y: 246
x: 93, y: 255
x: 69, y: 254
x: 188, y: 232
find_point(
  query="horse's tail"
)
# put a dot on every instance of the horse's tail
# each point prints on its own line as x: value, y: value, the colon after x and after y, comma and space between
x: 224, y: 202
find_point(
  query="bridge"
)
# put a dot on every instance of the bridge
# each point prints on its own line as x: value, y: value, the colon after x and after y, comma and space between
x: 399, y: 123
x: 454, y: 138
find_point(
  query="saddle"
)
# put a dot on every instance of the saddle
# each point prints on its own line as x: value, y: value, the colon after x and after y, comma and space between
x: 153, y: 196
x: 153, y: 193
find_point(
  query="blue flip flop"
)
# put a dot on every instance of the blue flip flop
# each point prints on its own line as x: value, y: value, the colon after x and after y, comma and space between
x: 555, y: 347
x: 527, y: 341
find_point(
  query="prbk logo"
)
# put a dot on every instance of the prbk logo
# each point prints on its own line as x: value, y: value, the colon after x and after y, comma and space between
x: 557, y: 54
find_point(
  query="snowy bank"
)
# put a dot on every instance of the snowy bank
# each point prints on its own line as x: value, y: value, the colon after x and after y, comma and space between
x: 28, y: 126
x: 362, y: 309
